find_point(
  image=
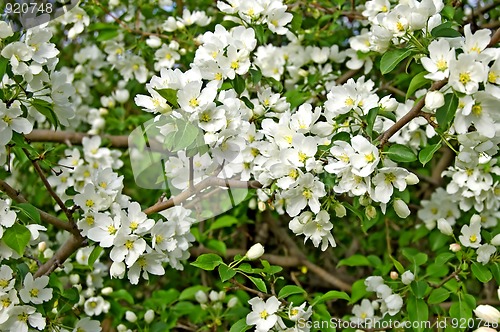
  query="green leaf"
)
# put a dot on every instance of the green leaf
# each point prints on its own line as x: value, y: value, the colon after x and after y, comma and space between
x: 256, y: 76
x: 398, y: 265
x: 414, y: 257
x: 259, y: 283
x: 418, y: 311
x: 438, y: 295
x: 296, y: 21
x: 71, y: 294
x: 460, y: 310
x: 426, y: 154
x: 182, y: 137
x: 355, y: 260
x: 3, y: 66
x: 290, y: 290
x: 238, y: 84
x: 370, y: 120
x: 240, y: 326
x: 217, y: 245
x: 416, y: 83
x: 222, y: 222
x: 331, y: 295
x: 94, y: 255
x: 17, y: 238
x: 46, y: 109
x: 445, y: 30
x: 481, y: 272
x: 122, y: 294
x: 391, y: 59
x: 401, y: 153
x: 170, y: 95
x: 207, y: 261
x: 419, y: 288
x: 30, y: 211
x: 358, y: 291
x: 443, y: 258
x: 445, y: 113
x: 106, y: 35
x: 226, y: 272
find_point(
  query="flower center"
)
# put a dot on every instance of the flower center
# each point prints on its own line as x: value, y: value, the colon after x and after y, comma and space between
x: 111, y: 230
x: 7, y: 119
x: 473, y: 238
x: 4, y: 283
x: 492, y: 77
x: 442, y: 65
x: 129, y: 244
x: 235, y: 65
x: 194, y: 102
x: 90, y: 220
x: 23, y: 317
x: 390, y: 178
x: 349, y: 102
x: 302, y: 157
x: 464, y: 78
x: 205, y: 117
x: 477, y: 109
x: 263, y: 314
x: 369, y: 157
x: 89, y: 203
x: 307, y: 193
x: 34, y: 292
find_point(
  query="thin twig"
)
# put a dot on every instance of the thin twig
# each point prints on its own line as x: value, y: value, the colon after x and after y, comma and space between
x: 47, y: 185
x: 44, y: 216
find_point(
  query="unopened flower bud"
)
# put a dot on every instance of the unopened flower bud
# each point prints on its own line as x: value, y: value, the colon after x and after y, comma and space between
x: 201, y: 296
x: 434, y: 100
x: 121, y: 328
x: 153, y: 42
x: 232, y: 302
x: 130, y: 316
x: 488, y: 314
x: 370, y: 212
x: 48, y: 253
x: 213, y: 296
x: 255, y: 251
x: 496, y: 240
x: 394, y: 275
x: 149, y: 316
x: 261, y: 206
x: 407, y: 277
x: 401, y: 208
x: 42, y: 246
x: 106, y: 290
x: 411, y: 179
x: 444, y: 227
x: 340, y: 210
x: 74, y: 279
x: 455, y: 247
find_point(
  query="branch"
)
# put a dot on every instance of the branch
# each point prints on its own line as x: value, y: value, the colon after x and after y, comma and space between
x: 67, y: 249
x: 412, y: 114
x: 43, y: 135
x: 208, y: 182
x: 47, y: 185
x: 44, y: 216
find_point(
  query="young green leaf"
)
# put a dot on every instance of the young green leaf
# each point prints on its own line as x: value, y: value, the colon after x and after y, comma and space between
x: 426, y: 154
x: 401, y: 153
x: 207, y: 261
x: 290, y: 290
x: 17, y: 238
x: 391, y: 59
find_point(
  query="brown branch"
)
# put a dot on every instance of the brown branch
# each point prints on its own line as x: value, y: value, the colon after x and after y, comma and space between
x: 346, y: 76
x: 412, y: 114
x: 47, y: 185
x: 208, y: 182
x: 248, y: 289
x: 448, y: 278
x: 67, y: 249
x: 495, y: 38
x: 43, y: 135
x: 44, y: 216
x: 393, y: 89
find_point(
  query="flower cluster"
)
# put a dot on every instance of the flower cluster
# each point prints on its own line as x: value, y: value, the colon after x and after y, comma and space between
x: 265, y: 315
